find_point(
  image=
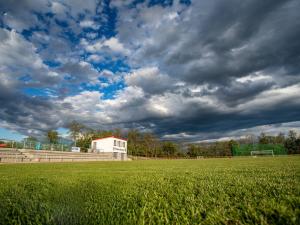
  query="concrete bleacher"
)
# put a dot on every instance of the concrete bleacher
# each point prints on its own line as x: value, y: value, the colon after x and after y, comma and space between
x: 8, y: 155
x: 27, y: 155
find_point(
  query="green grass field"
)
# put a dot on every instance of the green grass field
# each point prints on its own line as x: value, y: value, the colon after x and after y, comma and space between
x: 208, y: 191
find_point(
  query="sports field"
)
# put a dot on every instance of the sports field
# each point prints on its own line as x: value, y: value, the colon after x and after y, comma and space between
x: 262, y: 190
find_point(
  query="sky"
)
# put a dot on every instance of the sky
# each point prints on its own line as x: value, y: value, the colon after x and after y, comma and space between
x: 184, y: 70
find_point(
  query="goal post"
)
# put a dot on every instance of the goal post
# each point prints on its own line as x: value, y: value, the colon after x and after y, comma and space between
x: 262, y: 153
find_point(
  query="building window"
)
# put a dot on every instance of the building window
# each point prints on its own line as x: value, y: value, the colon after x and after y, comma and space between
x: 118, y: 143
x: 123, y: 144
x: 115, y: 143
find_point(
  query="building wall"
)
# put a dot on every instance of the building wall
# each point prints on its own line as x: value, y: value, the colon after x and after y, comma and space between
x: 107, y: 145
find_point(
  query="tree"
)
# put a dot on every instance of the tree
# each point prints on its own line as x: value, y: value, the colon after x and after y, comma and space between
x: 75, y: 129
x: 84, y: 143
x: 249, y: 139
x: 232, y: 145
x: 292, y: 135
x: 150, y: 144
x: 133, y: 142
x: 52, y: 136
x: 31, y: 139
x: 263, y: 139
x: 117, y: 132
x: 169, y: 148
x: 291, y: 143
x: 280, y: 138
x: 192, y: 151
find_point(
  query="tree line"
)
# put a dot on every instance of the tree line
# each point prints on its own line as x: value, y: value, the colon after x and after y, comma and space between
x: 138, y: 143
x: 148, y: 145
x: 291, y: 143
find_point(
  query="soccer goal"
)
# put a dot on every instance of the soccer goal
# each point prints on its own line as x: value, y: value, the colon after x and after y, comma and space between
x: 262, y: 153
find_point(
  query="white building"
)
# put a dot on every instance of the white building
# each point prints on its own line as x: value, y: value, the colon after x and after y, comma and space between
x: 109, y: 144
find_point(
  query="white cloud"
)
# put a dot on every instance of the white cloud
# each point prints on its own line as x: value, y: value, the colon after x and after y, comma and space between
x: 107, y: 73
x: 254, y: 77
x: 58, y: 8
x: 89, y: 24
x: 95, y: 58
x: 18, y: 14
x: 112, y: 44
x: 84, y: 101
x: 13, y: 48
x: 91, y: 35
x: 18, y: 57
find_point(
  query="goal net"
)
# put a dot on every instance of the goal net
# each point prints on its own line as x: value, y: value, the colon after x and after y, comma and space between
x: 262, y: 153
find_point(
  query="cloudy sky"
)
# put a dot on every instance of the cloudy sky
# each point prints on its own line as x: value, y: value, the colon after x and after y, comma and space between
x: 187, y: 70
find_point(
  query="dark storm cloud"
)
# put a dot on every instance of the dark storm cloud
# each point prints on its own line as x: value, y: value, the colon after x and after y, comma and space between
x: 216, y: 123
x: 219, y: 43
x: 238, y: 39
x: 27, y: 114
x: 224, y: 39
x: 236, y: 93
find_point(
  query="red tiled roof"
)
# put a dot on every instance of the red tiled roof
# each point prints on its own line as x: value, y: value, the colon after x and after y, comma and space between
x: 111, y: 137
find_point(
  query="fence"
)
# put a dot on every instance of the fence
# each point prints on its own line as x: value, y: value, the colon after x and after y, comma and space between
x: 245, y: 149
x: 38, y: 146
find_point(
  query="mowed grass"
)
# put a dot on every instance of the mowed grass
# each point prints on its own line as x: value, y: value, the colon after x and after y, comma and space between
x: 207, y: 191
